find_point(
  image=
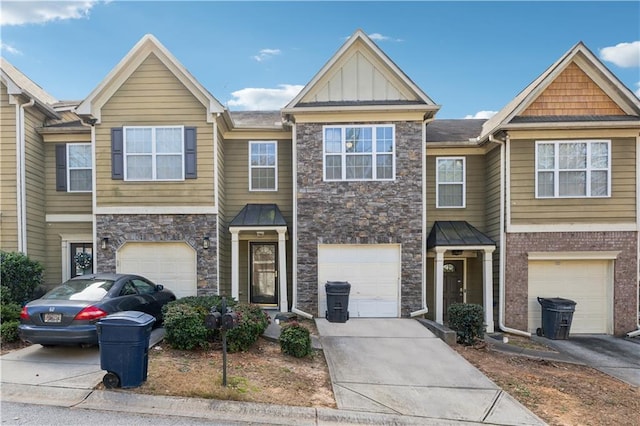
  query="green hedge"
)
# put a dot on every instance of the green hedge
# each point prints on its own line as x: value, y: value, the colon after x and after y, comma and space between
x: 20, y: 278
x: 468, y: 322
x: 295, y: 340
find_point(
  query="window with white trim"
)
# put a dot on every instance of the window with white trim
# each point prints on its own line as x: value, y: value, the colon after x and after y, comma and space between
x: 79, y: 167
x: 153, y: 153
x: 263, y: 166
x: 359, y: 153
x: 573, y: 169
x: 450, y: 182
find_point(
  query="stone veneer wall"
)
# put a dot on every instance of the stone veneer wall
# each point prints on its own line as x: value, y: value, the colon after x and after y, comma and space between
x: 385, y: 212
x: 192, y: 228
x: 625, y: 271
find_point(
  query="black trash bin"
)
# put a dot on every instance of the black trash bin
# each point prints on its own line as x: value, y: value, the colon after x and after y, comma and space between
x: 124, y: 348
x: 337, y: 301
x: 557, y: 314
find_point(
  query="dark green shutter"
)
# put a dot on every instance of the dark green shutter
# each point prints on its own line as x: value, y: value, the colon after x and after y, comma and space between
x: 190, y: 141
x: 61, y: 167
x: 117, y: 154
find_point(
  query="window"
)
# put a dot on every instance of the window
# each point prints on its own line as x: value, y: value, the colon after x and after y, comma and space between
x: 263, y: 166
x: 450, y: 182
x: 359, y: 153
x: 154, y: 153
x: 580, y: 168
x: 79, y: 167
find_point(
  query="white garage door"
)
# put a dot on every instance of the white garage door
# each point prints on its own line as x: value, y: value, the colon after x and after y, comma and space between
x: 373, y: 270
x: 170, y: 264
x: 587, y: 282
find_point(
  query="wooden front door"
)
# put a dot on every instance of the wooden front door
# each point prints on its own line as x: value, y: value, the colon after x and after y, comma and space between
x: 453, y: 284
x: 264, y: 274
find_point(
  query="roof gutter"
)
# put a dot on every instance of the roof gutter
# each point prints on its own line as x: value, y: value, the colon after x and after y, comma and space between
x: 504, y: 175
x: 21, y: 193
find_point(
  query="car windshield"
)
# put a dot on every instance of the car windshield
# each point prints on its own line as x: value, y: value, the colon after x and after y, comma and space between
x: 91, y: 290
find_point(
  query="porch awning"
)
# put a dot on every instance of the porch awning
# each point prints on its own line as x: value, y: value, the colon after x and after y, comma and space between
x: 259, y: 215
x: 456, y: 233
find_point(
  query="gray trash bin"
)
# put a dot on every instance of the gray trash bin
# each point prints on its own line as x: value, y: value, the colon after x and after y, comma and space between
x: 337, y: 301
x: 124, y: 348
x: 557, y: 315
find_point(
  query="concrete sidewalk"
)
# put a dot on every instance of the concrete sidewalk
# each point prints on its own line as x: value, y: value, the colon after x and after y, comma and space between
x: 399, y: 367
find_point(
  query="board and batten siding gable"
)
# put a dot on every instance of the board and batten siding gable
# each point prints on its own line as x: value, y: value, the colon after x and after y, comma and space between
x: 154, y: 96
x: 474, y: 210
x: 619, y: 208
x: 8, y: 184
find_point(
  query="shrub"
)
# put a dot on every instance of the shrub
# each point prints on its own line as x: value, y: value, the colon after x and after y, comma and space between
x: 252, y: 323
x: 295, y: 340
x: 9, y: 312
x: 20, y: 277
x: 467, y: 320
x: 184, y: 326
x: 9, y: 331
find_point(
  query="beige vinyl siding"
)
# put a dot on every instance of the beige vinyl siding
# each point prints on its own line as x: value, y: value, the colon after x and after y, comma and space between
x: 61, y: 202
x: 35, y: 191
x: 8, y: 207
x: 492, y: 227
x: 153, y: 96
x: 474, y: 192
x: 53, y: 246
x: 619, y: 208
x: 224, y: 237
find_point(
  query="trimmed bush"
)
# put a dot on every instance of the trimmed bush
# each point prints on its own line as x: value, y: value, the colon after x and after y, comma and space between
x: 9, y: 331
x: 20, y: 278
x: 468, y: 322
x: 184, y: 326
x: 9, y: 312
x: 295, y: 340
x: 252, y: 323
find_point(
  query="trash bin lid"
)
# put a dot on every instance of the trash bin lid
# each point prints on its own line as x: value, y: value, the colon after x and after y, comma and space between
x: 555, y: 301
x: 128, y: 318
x: 337, y: 285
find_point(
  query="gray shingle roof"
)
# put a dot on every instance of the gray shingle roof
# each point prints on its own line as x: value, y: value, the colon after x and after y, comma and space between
x: 256, y: 119
x: 454, y: 130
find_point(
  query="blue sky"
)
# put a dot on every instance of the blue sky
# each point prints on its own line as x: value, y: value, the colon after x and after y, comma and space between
x: 469, y: 57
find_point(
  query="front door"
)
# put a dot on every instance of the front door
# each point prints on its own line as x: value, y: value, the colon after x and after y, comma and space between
x: 453, y: 284
x: 264, y: 274
x: 81, y: 259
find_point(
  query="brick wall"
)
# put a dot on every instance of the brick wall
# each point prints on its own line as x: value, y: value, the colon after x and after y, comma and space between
x: 625, y: 271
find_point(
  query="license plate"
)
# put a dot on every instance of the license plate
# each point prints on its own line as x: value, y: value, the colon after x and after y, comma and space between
x: 49, y: 317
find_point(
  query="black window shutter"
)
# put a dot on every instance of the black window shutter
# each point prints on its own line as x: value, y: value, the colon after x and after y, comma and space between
x: 61, y: 167
x: 190, y: 163
x: 117, y: 154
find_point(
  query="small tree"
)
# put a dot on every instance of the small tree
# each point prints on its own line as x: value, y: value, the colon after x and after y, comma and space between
x: 467, y: 320
x: 295, y: 340
x: 20, y: 277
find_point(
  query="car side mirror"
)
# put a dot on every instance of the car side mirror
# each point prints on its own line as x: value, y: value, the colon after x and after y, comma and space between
x: 159, y: 287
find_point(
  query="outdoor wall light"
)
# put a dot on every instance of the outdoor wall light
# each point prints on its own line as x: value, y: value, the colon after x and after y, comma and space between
x: 456, y: 252
x: 104, y: 243
x: 206, y: 243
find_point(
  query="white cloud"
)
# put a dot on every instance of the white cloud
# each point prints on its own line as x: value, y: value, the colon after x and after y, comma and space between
x: 626, y: 55
x: 262, y: 99
x: 637, y: 92
x: 266, y: 54
x: 38, y: 12
x: 482, y: 114
x: 9, y: 49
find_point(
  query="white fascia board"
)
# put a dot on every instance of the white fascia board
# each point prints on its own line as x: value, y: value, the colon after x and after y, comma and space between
x: 69, y: 218
x: 573, y: 255
x: 158, y: 210
x: 573, y: 227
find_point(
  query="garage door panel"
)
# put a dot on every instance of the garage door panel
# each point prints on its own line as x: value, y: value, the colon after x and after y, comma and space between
x: 170, y: 264
x: 373, y: 272
x: 588, y: 283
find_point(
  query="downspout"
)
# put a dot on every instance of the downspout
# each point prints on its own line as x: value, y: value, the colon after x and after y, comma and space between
x: 503, y: 188
x: 424, y: 309
x: 21, y: 193
x: 636, y: 333
x: 294, y: 238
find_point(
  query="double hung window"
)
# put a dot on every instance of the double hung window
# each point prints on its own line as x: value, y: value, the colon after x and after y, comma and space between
x: 79, y: 167
x: 359, y: 153
x: 578, y: 168
x: 154, y: 153
x: 263, y: 166
x: 450, y: 182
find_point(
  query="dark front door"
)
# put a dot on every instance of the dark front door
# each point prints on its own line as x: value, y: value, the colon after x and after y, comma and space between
x: 453, y: 284
x: 81, y: 259
x: 264, y: 274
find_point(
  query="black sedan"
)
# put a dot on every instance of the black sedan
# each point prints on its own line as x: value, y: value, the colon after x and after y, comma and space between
x: 68, y: 314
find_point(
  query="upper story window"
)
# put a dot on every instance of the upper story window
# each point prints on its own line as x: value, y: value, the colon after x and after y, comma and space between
x: 154, y: 153
x: 79, y: 167
x: 263, y: 166
x: 359, y: 152
x: 578, y: 168
x: 450, y: 182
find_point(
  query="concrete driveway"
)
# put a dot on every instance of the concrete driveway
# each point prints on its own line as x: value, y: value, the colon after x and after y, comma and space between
x: 614, y: 356
x: 397, y: 366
